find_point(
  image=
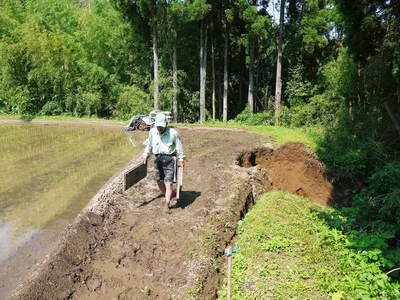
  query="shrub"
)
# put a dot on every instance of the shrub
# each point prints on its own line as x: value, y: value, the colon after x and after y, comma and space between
x: 131, y: 101
x: 51, y: 108
x: 18, y: 100
x: 379, y: 200
x: 247, y: 118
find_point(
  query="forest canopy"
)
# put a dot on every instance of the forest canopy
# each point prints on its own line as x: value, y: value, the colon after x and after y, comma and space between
x: 202, y: 59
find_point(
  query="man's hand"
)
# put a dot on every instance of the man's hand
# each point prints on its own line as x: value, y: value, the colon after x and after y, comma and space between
x: 145, y: 159
x: 181, y: 163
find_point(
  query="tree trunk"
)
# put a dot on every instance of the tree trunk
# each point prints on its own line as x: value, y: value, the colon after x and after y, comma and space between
x: 155, y: 64
x: 174, y: 79
x: 225, y: 100
x: 213, y: 74
x: 250, y: 96
x: 278, y: 84
x: 203, y: 70
x: 392, y: 117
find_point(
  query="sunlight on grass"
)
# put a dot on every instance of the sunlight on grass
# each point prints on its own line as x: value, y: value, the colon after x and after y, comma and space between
x: 287, y: 251
x: 284, y: 135
x: 281, y: 135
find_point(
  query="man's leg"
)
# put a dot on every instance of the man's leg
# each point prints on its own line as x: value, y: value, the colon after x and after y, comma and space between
x: 161, y: 186
x: 168, y: 193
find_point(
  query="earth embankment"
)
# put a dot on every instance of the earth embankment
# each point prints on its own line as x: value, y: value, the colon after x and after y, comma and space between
x: 127, y: 245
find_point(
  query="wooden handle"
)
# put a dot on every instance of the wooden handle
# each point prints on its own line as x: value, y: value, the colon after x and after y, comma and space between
x: 179, y: 181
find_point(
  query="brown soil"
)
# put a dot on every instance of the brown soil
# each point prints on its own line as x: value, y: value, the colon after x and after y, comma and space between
x: 127, y: 245
x: 293, y: 168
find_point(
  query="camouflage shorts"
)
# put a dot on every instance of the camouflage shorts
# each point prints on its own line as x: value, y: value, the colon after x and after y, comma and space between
x: 165, y: 168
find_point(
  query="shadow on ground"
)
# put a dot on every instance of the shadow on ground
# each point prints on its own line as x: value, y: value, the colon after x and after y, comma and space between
x: 186, y: 199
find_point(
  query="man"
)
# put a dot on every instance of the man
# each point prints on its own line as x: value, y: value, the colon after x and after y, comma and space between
x: 166, y: 144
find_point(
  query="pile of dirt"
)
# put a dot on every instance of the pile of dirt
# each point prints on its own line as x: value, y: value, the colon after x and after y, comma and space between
x: 293, y: 168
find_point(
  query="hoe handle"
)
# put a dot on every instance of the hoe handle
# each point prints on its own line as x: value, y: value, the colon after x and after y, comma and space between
x: 179, y: 181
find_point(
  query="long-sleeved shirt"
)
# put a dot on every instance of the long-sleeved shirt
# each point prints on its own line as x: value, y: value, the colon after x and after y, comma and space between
x: 169, y: 142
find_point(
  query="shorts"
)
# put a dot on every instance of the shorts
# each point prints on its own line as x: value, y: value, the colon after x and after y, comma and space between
x: 165, y: 168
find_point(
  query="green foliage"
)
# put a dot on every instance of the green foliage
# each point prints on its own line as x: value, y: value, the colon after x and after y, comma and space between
x: 51, y: 108
x: 277, y: 243
x: 248, y: 118
x: 346, y: 157
x: 61, y: 58
x: 298, y: 90
x: 292, y: 248
x: 379, y: 199
x: 132, y: 101
x: 315, y: 25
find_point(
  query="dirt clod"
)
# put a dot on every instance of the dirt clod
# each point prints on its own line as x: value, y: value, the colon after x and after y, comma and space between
x: 94, y: 284
x: 293, y: 168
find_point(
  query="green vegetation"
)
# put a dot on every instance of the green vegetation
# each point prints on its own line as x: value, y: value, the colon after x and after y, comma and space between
x: 292, y: 248
x: 282, y: 135
x: 51, y: 172
x: 61, y: 57
x: 61, y: 118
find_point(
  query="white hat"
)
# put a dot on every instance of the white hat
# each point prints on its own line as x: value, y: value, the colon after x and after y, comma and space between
x: 161, y: 120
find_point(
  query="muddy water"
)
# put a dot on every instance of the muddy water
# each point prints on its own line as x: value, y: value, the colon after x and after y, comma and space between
x: 48, y: 173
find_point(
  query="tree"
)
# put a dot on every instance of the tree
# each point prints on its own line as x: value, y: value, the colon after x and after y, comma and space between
x: 278, y: 85
x: 203, y: 68
x: 228, y: 20
x: 197, y: 10
x: 176, y: 17
x: 256, y: 30
x: 151, y: 11
x: 213, y: 96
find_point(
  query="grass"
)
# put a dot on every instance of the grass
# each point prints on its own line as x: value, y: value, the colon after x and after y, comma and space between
x: 281, y: 135
x: 289, y: 251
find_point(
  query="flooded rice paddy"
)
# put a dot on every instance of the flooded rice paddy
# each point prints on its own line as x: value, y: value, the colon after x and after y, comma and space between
x: 48, y: 173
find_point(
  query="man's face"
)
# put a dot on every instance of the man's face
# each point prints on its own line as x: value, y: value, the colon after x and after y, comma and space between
x: 160, y: 129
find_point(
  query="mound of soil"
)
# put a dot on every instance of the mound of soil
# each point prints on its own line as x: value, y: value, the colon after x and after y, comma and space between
x: 293, y: 168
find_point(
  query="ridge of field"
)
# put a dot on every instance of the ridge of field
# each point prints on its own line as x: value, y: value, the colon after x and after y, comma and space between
x: 291, y: 247
x: 281, y: 135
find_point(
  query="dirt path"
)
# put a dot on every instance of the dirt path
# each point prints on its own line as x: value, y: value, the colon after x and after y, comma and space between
x: 138, y: 250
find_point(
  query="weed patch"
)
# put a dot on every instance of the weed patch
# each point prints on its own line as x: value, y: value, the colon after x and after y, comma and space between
x: 288, y: 249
